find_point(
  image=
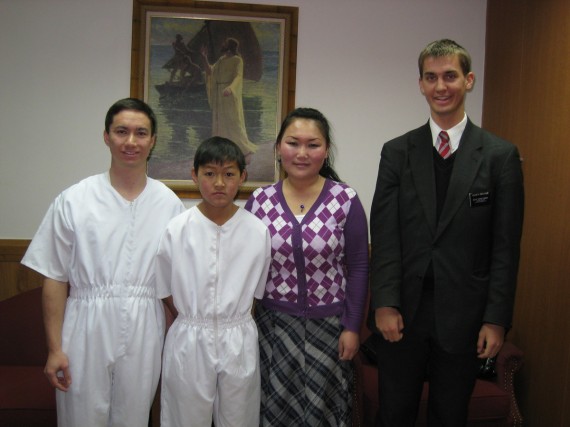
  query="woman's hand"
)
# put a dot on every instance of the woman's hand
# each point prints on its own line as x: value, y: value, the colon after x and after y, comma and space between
x: 348, y: 344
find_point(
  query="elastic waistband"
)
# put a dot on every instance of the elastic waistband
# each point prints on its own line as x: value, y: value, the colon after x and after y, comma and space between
x: 224, y: 323
x: 112, y: 291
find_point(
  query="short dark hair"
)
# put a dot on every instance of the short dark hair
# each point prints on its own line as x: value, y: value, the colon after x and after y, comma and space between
x: 130, y: 104
x: 445, y: 47
x: 323, y: 124
x: 218, y: 150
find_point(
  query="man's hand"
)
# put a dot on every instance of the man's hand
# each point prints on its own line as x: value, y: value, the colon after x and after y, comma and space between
x: 57, y: 370
x: 491, y: 339
x: 54, y: 300
x: 390, y: 323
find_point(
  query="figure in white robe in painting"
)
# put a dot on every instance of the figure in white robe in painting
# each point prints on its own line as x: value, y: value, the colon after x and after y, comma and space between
x: 224, y: 82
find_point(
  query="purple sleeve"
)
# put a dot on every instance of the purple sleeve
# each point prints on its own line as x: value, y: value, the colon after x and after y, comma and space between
x: 249, y: 203
x: 356, y: 260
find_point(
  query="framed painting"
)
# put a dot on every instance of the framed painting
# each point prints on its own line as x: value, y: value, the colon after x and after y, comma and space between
x: 213, y: 69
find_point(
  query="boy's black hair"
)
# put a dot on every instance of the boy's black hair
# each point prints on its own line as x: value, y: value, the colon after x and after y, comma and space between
x: 218, y: 150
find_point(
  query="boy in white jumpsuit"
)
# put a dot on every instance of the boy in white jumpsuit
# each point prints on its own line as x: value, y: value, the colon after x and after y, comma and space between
x: 98, y: 241
x: 212, y: 261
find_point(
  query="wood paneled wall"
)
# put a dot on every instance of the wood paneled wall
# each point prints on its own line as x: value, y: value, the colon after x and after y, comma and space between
x: 527, y: 101
x: 14, y: 277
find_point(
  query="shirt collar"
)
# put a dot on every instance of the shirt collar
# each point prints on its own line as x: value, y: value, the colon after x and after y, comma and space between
x: 454, y: 133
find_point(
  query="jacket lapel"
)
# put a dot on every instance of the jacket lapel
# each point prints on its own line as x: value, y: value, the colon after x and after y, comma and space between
x: 421, y: 165
x: 467, y: 162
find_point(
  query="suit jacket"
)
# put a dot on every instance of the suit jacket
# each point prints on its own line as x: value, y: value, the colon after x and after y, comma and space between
x: 474, y: 247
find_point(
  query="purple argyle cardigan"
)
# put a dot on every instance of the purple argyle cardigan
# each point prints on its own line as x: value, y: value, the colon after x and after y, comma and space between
x: 319, y: 267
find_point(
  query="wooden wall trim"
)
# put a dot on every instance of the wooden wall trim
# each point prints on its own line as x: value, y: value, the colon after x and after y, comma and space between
x: 12, y: 250
x: 14, y: 277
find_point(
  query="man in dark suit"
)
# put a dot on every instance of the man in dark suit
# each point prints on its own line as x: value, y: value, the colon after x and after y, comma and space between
x: 446, y: 224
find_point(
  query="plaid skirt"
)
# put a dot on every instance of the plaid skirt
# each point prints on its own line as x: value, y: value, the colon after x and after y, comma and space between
x: 303, y: 382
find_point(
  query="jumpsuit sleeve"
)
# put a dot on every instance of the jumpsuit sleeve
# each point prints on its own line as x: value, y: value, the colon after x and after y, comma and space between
x: 163, y: 266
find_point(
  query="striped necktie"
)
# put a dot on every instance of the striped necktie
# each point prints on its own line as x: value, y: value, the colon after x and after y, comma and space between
x: 444, y: 148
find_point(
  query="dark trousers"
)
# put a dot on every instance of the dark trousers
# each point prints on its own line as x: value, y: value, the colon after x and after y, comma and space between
x: 405, y: 365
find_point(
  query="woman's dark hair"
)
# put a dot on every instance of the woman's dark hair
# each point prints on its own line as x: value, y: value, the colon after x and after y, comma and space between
x: 218, y: 150
x: 322, y: 123
x: 130, y: 104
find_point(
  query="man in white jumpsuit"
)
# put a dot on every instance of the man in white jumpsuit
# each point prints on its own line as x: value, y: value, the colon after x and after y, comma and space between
x: 212, y: 261
x: 97, y: 243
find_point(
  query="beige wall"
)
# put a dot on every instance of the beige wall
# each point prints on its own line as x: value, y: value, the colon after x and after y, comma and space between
x: 527, y: 100
x: 63, y: 62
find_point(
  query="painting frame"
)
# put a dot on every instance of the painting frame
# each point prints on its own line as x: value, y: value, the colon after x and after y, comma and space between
x: 286, y: 16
